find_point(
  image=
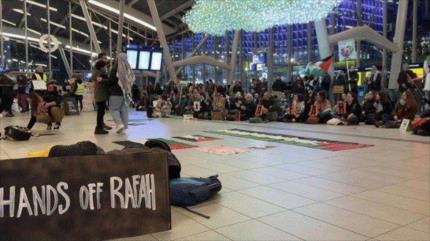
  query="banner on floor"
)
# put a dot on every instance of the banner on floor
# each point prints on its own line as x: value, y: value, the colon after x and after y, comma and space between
x: 84, y: 198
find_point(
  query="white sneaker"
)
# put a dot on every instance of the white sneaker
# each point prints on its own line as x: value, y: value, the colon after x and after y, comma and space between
x: 120, y: 129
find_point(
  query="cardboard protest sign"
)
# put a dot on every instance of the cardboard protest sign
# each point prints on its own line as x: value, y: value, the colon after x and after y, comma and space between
x: 84, y: 198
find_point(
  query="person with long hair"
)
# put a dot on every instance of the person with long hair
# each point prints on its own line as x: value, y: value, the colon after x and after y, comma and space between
x: 40, y: 107
x: 406, y: 108
x: 323, y: 107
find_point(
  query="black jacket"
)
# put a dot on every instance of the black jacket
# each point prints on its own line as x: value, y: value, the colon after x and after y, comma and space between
x: 113, y: 86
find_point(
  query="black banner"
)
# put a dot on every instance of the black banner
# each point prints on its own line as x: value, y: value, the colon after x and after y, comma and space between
x: 84, y: 198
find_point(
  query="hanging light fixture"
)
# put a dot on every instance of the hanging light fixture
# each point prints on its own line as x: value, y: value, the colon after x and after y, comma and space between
x: 217, y: 17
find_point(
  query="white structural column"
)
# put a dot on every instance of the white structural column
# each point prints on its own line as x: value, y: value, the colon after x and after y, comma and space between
x: 323, y: 42
x: 120, y: 27
x: 309, y: 42
x: 385, y: 31
x: 49, y: 39
x: 399, y: 35
x: 270, y: 59
x: 26, y: 34
x: 233, y: 56
x: 414, y: 30
x: 70, y: 36
x: 66, y: 63
x: 360, y: 23
x: 162, y: 39
x: 90, y: 26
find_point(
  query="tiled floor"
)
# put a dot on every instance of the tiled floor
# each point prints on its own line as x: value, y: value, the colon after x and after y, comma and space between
x: 288, y: 192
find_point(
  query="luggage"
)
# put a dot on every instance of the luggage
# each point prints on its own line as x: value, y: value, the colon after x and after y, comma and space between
x: 172, y: 160
x: 17, y: 133
x: 191, y: 191
x: 70, y: 105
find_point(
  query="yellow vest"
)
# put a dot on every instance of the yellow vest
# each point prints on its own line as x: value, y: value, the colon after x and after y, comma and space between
x: 80, y: 89
x: 44, y: 77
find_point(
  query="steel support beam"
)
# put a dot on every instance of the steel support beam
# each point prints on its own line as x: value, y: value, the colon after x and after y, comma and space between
x: 233, y: 57
x: 90, y: 26
x: 110, y: 38
x: 414, y: 30
x: 197, y: 48
x: 26, y: 34
x: 399, y: 35
x: 1, y: 34
x: 120, y: 27
x: 178, y: 9
x: 70, y: 36
x: 65, y: 62
x: 202, y: 59
x: 162, y: 39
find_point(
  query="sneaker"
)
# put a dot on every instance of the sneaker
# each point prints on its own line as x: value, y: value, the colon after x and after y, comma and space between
x: 57, y: 126
x: 106, y: 127
x: 49, y: 127
x: 120, y: 129
x: 101, y: 132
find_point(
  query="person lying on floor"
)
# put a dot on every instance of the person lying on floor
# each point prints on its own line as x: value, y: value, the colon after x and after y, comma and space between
x: 406, y: 108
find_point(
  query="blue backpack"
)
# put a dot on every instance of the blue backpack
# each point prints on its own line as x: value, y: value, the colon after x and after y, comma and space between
x: 191, y: 191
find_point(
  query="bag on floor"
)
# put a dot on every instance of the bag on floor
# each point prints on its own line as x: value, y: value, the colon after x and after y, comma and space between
x: 255, y: 120
x: 191, y: 191
x: 17, y: 133
x: 83, y: 148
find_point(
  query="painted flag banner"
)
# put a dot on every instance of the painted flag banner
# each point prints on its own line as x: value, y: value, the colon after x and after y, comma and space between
x: 196, y: 138
x: 222, y: 150
x: 328, y: 145
x: 176, y: 145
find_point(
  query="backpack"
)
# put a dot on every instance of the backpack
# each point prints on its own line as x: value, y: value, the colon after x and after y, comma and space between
x: 190, y: 191
x: 17, y: 133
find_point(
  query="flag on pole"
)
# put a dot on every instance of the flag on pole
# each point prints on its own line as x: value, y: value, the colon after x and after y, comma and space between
x: 326, y: 63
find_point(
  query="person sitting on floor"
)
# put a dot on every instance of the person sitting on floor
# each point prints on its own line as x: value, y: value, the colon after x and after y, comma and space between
x: 248, y: 107
x: 163, y: 107
x: 369, y: 109
x: 296, y: 109
x: 353, y: 110
x: 384, y: 107
x: 323, y: 107
x: 406, y: 108
x: 42, y: 111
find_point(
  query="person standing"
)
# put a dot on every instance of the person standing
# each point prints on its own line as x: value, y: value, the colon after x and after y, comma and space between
x: 120, y: 84
x: 79, y: 91
x: 40, y: 74
x: 375, y: 79
x: 100, y: 78
x: 427, y: 80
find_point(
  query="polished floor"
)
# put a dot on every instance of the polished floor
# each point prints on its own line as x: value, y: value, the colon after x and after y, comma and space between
x: 288, y: 192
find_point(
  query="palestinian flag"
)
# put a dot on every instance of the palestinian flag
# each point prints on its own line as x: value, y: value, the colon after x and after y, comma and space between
x: 322, y: 144
x: 176, y: 145
x: 326, y: 63
x: 196, y: 138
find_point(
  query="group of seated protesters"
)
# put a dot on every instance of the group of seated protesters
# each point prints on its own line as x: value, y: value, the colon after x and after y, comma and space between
x: 210, y: 101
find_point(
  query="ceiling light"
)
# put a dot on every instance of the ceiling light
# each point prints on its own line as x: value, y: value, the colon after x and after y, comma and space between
x: 34, y: 31
x: 126, y: 15
x: 9, y: 22
x: 20, y: 11
x: 40, y: 5
x: 53, y: 23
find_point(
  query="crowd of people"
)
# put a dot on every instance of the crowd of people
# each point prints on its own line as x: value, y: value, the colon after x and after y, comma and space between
x: 309, y: 100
